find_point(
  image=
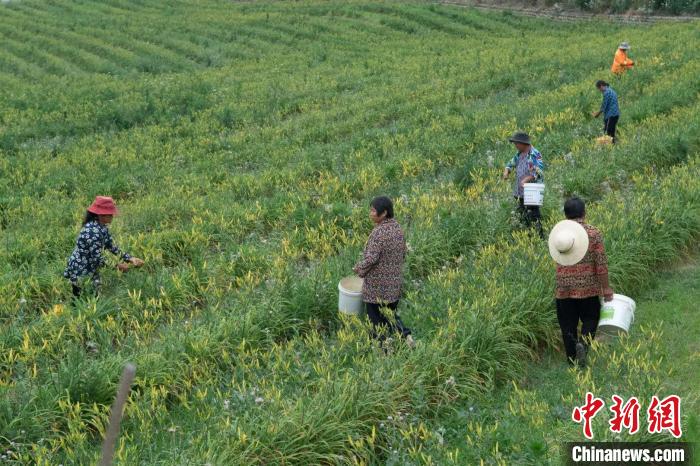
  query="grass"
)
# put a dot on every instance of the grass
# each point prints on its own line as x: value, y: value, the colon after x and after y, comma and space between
x: 533, y: 413
x: 242, y: 142
x: 672, y: 305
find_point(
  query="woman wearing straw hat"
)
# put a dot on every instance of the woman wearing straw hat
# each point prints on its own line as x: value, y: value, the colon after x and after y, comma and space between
x: 621, y: 62
x: 86, y: 259
x: 582, y: 278
x: 382, y: 269
x: 528, y: 166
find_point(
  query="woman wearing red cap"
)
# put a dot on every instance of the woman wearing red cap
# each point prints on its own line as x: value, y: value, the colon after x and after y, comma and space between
x: 86, y: 259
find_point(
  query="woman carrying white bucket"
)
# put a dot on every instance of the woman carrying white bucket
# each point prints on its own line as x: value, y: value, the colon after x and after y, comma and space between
x: 381, y: 267
x: 582, y: 278
x: 528, y: 166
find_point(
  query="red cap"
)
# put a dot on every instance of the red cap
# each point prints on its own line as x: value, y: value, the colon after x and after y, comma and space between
x: 103, y: 205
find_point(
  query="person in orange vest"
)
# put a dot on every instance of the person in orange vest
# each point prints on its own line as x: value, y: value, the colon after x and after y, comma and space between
x: 621, y: 63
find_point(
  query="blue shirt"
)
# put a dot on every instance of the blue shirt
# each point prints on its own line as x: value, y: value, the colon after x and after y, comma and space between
x: 610, y: 107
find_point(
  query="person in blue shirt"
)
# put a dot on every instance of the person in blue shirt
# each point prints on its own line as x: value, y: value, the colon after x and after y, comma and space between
x: 610, y: 109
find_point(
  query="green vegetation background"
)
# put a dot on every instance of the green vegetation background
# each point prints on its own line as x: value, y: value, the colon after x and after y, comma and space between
x: 243, y: 142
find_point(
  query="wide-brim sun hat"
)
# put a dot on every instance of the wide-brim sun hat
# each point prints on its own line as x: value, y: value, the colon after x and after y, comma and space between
x: 520, y: 137
x: 568, y: 242
x: 103, y: 205
x: 624, y: 46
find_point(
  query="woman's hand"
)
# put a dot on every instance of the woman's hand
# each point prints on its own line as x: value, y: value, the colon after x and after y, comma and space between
x: 360, y: 272
x: 526, y: 179
x: 123, y: 267
x: 506, y: 172
x: 136, y: 262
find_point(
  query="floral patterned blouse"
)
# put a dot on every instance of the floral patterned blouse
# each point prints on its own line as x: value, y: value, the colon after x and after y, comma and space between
x: 382, y: 264
x: 87, y: 257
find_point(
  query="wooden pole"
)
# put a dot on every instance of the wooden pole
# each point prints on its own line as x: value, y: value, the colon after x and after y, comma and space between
x: 115, y: 416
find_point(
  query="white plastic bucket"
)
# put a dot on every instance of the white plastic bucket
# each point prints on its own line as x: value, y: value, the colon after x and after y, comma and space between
x: 350, y: 295
x: 616, y: 316
x: 533, y: 193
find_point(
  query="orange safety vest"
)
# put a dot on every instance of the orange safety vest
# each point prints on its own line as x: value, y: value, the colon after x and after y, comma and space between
x: 621, y: 62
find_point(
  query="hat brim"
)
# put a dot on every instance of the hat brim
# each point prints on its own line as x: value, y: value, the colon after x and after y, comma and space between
x: 99, y: 211
x: 518, y: 140
x: 578, y: 250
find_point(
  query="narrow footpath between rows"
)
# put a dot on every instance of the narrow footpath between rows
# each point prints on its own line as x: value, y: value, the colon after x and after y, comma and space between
x: 527, y: 422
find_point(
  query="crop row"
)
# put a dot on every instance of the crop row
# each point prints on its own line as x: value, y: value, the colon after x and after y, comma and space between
x: 140, y: 43
x: 305, y: 214
x: 443, y: 231
x: 334, y: 393
x: 313, y: 296
x: 249, y: 199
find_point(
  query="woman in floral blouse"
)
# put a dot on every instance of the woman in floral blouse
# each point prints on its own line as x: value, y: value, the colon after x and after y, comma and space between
x: 86, y: 259
x: 381, y: 267
x: 581, y: 279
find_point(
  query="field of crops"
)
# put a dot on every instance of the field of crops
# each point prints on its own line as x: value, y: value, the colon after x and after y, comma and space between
x: 243, y: 142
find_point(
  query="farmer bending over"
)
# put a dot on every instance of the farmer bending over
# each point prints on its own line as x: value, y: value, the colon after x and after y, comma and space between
x: 582, y: 278
x: 610, y: 109
x: 528, y: 166
x: 381, y: 267
x: 621, y: 62
x: 86, y: 259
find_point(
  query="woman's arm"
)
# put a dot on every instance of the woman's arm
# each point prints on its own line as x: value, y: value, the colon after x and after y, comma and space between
x: 370, y: 257
x: 607, y: 101
x: 601, y: 265
x: 620, y: 57
x: 114, y: 249
x: 627, y: 61
x: 509, y: 166
x: 537, y: 166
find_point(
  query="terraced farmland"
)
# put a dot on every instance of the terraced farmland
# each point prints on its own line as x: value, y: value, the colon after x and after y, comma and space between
x: 243, y: 142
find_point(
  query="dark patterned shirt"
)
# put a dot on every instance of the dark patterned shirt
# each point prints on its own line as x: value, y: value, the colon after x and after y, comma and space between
x: 87, y: 256
x: 382, y: 263
x: 589, y: 277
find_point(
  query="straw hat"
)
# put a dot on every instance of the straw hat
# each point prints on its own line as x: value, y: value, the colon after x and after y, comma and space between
x: 624, y: 46
x: 568, y: 242
x: 103, y: 205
